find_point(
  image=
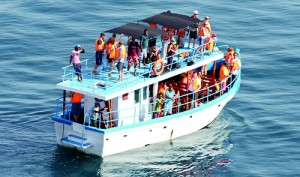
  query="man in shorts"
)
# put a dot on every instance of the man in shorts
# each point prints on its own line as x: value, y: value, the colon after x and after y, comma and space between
x: 144, y: 42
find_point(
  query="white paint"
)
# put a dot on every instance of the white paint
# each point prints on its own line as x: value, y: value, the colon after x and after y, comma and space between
x: 127, y: 139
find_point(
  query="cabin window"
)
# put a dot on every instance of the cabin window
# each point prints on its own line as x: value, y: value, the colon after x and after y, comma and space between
x: 137, y: 96
x: 125, y: 96
x: 145, y: 93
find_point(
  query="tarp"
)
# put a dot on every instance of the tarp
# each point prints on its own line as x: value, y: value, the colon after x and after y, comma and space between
x: 135, y: 30
x: 172, y: 20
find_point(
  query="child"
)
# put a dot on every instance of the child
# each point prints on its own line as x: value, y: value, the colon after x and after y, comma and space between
x: 159, y: 103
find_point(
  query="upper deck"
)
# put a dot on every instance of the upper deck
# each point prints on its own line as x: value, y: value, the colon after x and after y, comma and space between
x: 103, y: 87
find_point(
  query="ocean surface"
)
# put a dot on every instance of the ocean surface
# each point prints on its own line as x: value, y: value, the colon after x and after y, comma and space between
x: 257, y: 134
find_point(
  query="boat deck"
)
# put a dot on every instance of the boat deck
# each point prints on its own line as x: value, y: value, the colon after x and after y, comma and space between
x: 104, y: 87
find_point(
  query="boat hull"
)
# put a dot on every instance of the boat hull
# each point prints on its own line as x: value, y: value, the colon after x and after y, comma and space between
x: 119, y: 139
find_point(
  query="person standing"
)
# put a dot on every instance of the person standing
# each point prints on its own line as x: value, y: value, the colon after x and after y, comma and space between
x: 236, y: 65
x: 193, y: 30
x: 144, y: 42
x: 172, y: 48
x: 223, y: 76
x: 165, y: 41
x: 76, y: 105
x: 133, y: 54
x: 169, y: 100
x: 75, y: 59
x: 99, y: 48
x: 204, y: 33
x: 159, y: 103
x: 111, y: 56
x: 121, y: 57
x: 194, y: 88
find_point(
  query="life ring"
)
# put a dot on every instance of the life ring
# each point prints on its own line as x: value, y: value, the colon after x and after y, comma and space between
x: 161, y: 68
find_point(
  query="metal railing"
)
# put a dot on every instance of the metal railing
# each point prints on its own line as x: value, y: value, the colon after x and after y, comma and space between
x: 101, y: 83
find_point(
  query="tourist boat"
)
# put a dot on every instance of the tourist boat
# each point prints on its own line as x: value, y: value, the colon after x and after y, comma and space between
x: 128, y: 121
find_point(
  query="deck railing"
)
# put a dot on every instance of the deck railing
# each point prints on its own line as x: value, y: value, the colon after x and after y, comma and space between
x: 102, y: 83
x: 179, y: 107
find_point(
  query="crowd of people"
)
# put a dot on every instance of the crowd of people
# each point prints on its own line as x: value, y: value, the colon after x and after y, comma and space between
x: 138, y: 52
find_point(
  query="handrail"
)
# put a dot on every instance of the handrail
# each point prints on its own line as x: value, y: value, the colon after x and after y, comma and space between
x: 104, y: 79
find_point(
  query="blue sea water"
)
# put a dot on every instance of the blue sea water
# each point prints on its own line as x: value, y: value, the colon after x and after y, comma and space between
x: 257, y: 134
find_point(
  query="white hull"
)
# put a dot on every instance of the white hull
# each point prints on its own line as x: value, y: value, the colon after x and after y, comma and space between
x: 120, y: 139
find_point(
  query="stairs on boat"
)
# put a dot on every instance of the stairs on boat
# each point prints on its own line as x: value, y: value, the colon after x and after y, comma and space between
x: 77, y: 141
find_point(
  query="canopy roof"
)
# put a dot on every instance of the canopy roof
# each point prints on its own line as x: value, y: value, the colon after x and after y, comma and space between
x: 172, y: 20
x: 135, y: 30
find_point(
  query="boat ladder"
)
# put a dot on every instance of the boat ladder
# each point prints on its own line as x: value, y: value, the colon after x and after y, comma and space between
x: 77, y: 141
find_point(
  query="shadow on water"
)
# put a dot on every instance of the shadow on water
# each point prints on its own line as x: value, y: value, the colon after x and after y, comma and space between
x: 71, y: 162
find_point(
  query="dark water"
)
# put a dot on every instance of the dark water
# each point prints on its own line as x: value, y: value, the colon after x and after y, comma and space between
x: 257, y: 134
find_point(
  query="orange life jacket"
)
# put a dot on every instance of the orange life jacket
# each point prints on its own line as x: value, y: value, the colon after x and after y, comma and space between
x: 181, y: 32
x: 123, y: 52
x: 76, y: 97
x: 223, y: 73
x: 152, y: 25
x: 209, y: 43
x: 112, y: 51
x: 99, y: 47
x: 203, y: 31
x: 165, y: 36
x: 184, y: 54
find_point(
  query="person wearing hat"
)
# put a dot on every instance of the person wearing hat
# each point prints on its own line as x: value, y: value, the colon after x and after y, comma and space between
x: 207, y: 21
x: 75, y: 59
x: 99, y: 48
x: 172, y: 48
x: 193, y: 30
x: 204, y: 33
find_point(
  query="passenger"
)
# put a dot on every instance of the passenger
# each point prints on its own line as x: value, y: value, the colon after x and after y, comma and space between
x: 159, y: 103
x: 194, y: 88
x: 154, y: 56
x: 98, y: 114
x: 112, y: 46
x: 193, y: 30
x: 133, y: 55
x: 207, y: 20
x: 169, y: 100
x: 144, y: 42
x: 228, y: 58
x: 180, y: 37
x: 163, y: 89
x: 108, y: 44
x: 210, y: 43
x: 204, y: 33
x: 223, y: 76
x: 75, y: 59
x: 236, y: 65
x: 99, y: 47
x: 76, y: 105
x: 165, y: 41
x: 172, y: 48
x: 121, y: 57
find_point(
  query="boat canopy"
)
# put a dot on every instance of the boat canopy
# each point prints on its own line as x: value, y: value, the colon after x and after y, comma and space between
x: 172, y: 20
x: 135, y: 30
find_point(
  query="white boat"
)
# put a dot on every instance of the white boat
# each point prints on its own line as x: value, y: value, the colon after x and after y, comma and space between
x: 129, y: 115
